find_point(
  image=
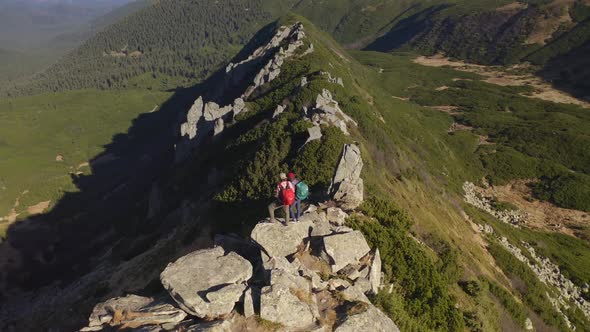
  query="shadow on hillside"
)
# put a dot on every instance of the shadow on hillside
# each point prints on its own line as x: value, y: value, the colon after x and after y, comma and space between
x: 112, y: 203
x: 403, y: 32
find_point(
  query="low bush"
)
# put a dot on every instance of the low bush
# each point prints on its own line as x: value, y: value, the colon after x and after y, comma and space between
x: 422, y: 281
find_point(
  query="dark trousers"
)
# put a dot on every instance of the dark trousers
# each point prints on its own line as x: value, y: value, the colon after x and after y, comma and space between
x: 295, y: 209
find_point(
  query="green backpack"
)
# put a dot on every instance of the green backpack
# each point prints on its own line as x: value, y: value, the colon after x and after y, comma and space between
x: 302, y: 190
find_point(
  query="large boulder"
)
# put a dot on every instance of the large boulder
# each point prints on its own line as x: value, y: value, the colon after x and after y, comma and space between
x: 346, y: 248
x: 280, y: 240
x: 347, y: 187
x: 286, y: 306
x: 207, y: 283
x: 133, y: 311
x: 371, y: 320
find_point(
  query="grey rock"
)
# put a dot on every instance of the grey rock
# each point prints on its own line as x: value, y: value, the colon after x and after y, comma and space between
x: 354, y: 294
x: 338, y: 284
x: 133, y: 311
x: 528, y: 325
x: 248, y: 303
x: 219, y: 127
x: 321, y: 228
x: 303, y: 81
x: 191, y: 278
x: 375, y: 273
x: 371, y: 320
x: 189, y: 128
x: 215, y: 326
x: 213, y: 111
x: 281, y: 240
x: 315, y: 133
x: 336, y: 216
x: 317, y: 284
x: 239, y: 106
x: 347, y: 187
x: 280, y: 109
x: 344, y: 249
x: 280, y: 304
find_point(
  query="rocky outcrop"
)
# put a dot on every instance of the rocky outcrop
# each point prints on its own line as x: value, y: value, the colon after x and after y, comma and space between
x: 327, y: 112
x: 315, y: 133
x: 371, y: 320
x: 347, y: 186
x: 209, y: 119
x: 335, y: 80
x: 475, y: 198
x: 280, y: 240
x: 344, y: 249
x: 133, y: 311
x: 207, y: 283
x: 297, y: 274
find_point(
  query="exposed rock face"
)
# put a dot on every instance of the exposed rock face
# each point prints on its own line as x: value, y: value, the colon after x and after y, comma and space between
x: 133, y: 311
x: 512, y: 217
x: 347, y: 186
x: 375, y: 274
x: 328, y: 112
x: 293, y: 36
x: 280, y: 304
x: 209, y: 118
x: 280, y: 109
x: 347, y: 248
x: 279, y: 240
x: 315, y: 133
x: 371, y: 320
x: 207, y: 283
x: 336, y: 216
x: 528, y: 325
x: 335, y: 80
x: 219, y: 126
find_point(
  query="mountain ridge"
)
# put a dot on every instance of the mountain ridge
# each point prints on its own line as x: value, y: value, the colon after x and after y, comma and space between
x: 449, y: 271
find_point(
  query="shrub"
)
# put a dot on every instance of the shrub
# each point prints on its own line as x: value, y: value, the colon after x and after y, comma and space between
x: 423, y: 286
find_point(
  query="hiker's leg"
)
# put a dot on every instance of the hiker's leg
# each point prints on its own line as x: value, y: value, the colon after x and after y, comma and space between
x: 271, y: 211
x: 286, y: 209
x: 298, y: 205
x: 292, y: 211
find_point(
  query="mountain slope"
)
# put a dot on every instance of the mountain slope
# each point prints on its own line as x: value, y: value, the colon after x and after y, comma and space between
x: 186, y: 39
x: 446, y: 273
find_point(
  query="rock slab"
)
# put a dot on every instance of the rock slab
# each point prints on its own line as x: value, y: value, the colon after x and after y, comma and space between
x: 344, y: 249
x: 280, y: 240
x: 347, y: 187
x: 207, y: 283
x: 371, y: 320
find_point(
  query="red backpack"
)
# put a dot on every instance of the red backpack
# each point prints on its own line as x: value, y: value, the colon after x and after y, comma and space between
x: 288, y: 195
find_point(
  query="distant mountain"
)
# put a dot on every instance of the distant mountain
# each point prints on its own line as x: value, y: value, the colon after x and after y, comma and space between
x: 187, y: 39
x: 26, y: 25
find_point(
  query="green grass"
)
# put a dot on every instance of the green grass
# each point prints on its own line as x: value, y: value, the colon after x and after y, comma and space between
x: 76, y: 125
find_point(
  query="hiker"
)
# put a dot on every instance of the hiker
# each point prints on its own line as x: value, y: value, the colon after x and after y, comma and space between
x: 301, y: 191
x: 284, y: 198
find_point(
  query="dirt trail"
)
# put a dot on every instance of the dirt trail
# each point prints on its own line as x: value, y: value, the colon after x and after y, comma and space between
x: 498, y: 75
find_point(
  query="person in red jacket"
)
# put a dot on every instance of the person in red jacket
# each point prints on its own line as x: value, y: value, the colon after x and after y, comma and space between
x: 282, y: 186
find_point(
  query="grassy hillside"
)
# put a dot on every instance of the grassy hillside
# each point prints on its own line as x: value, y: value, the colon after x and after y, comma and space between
x: 73, y: 125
